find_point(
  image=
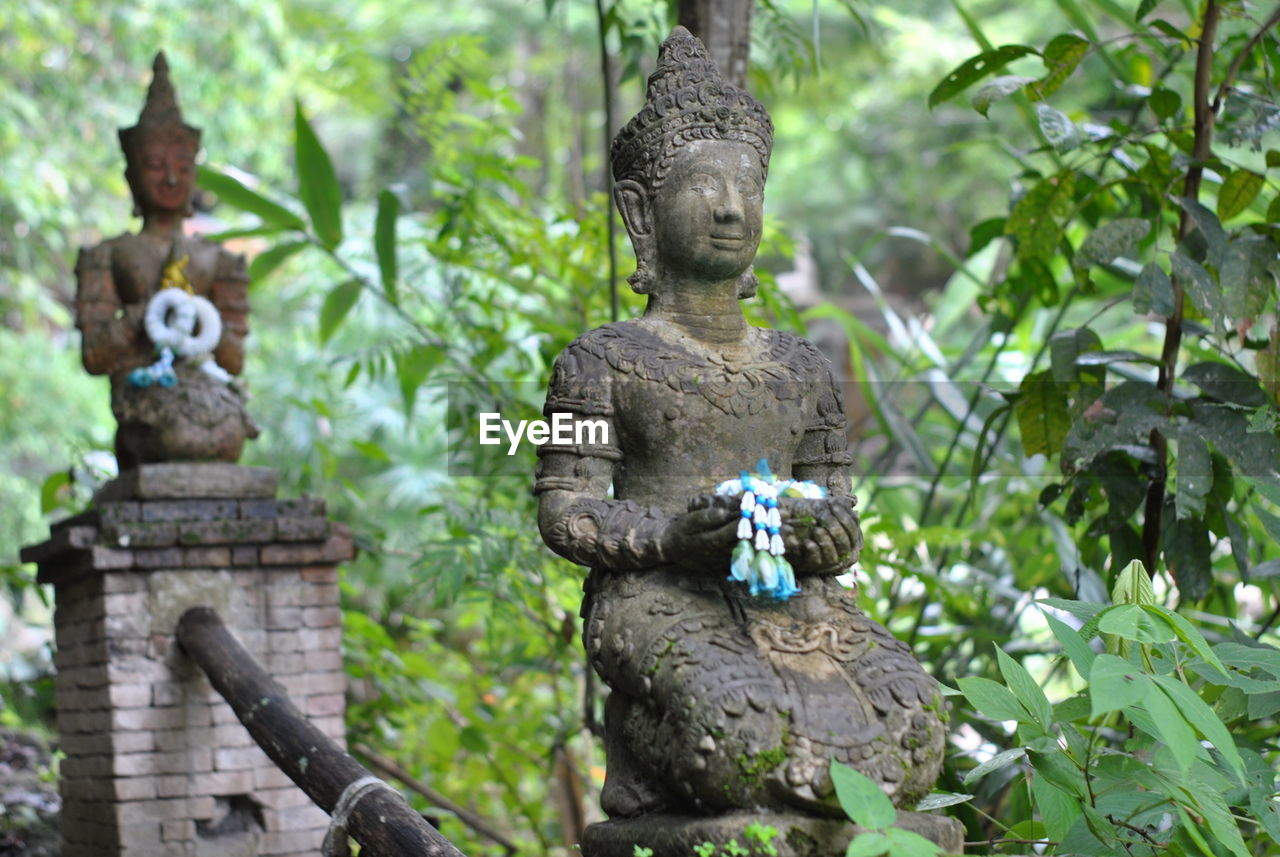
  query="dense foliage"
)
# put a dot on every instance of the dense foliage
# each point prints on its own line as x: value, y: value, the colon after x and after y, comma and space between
x: 1085, y: 415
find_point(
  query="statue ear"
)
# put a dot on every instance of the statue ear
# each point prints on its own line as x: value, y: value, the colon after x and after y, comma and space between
x: 633, y: 204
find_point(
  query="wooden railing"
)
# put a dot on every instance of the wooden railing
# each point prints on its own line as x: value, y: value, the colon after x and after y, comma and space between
x: 372, y: 814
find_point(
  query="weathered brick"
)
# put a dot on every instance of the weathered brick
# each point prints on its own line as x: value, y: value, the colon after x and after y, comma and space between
x: 244, y: 555
x: 148, y: 718
x: 286, y: 663
x: 158, y: 557
x: 206, y: 557
x: 302, y: 529
x: 320, y: 595
x: 141, y: 534
x: 119, y: 512
x: 86, y: 766
x: 257, y: 508
x: 325, y: 704
x: 219, y: 783
x: 309, y: 817
x: 135, y: 788
x: 178, y: 829
x: 172, y: 785
x: 270, y: 778
x: 238, y: 758
x: 311, y: 684
x: 323, y: 660
x: 292, y: 554
x: 290, y: 842
x: 334, y: 727
x: 300, y: 507
x: 133, y: 742
x: 189, y: 510
x: 123, y: 582
x: 145, y: 811
x: 129, y: 695
x: 282, y: 798
x: 227, y: 531
x: 328, y: 616
x: 320, y: 574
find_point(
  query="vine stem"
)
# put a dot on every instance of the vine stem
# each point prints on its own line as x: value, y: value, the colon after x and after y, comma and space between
x: 1204, y: 114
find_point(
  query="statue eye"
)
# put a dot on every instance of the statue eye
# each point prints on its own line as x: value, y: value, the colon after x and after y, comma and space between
x: 703, y: 184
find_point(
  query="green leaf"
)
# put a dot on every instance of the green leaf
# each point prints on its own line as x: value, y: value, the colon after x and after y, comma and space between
x: 1058, y: 129
x: 1000, y: 760
x: 868, y: 845
x: 1000, y: 87
x: 336, y: 305
x: 1195, y: 474
x: 984, y: 233
x: 317, y: 182
x: 1239, y: 188
x: 861, y: 799
x: 1114, y: 683
x: 412, y: 368
x: 907, y: 843
x: 1153, y: 291
x: 54, y: 489
x: 384, y: 242
x: 1172, y: 727
x: 1262, y: 657
x: 1131, y: 622
x: 235, y: 194
x: 1110, y: 240
x: 1072, y: 643
x: 1164, y: 102
x: 1201, y: 716
x: 1189, y: 634
x: 1186, y: 552
x: 371, y: 450
x: 1226, y: 383
x: 974, y: 69
x: 1144, y: 9
x: 1246, y: 276
x: 1210, y: 229
x: 1058, y: 810
x: 938, y: 800
x: 1133, y: 585
x: 1043, y: 418
x: 1061, y: 56
x: 268, y: 260
x: 991, y: 698
x: 1034, y: 221
x: 1199, y: 284
x: 1026, y: 689
x: 1065, y: 348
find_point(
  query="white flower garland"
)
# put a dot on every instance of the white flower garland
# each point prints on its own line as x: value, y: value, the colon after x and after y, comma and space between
x: 181, y: 325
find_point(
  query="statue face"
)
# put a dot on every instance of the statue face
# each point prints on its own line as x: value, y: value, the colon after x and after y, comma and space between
x: 164, y: 176
x: 707, y: 215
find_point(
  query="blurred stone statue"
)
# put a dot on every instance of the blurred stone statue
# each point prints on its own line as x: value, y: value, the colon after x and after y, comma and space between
x: 739, y: 666
x: 162, y: 313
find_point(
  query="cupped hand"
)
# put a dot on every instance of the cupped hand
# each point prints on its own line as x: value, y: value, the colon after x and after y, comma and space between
x: 704, y: 536
x: 820, y: 536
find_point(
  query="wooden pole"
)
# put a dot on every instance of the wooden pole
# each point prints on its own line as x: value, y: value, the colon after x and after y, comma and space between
x: 381, y: 821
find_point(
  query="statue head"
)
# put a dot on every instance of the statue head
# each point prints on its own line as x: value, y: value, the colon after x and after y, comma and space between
x: 689, y: 170
x: 160, y: 151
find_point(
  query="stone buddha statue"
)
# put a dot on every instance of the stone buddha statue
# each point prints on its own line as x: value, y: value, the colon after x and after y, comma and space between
x: 173, y: 399
x: 722, y: 704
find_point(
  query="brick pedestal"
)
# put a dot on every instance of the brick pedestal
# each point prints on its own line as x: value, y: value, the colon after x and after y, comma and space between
x: 156, y: 763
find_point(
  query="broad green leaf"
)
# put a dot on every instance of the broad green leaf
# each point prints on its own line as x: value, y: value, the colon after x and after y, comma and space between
x: 1164, y: 102
x: 861, y: 798
x: 1239, y: 188
x: 53, y: 489
x: 1201, y: 716
x: 1026, y: 689
x: 1110, y: 240
x: 371, y: 450
x: 1273, y: 210
x: 1061, y: 56
x: 1000, y: 760
x: 384, y: 243
x: 1057, y: 809
x: 1256, y: 455
x: 1185, y: 545
x: 1189, y: 634
x: 1043, y: 418
x: 974, y: 69
x: 336, y: 305
x: 235, y: 194
x: 1057, y: 128
x: 317, y: 182
x: 907, y: 843
x: 1268, y: 362
x: 1258, y: 656
x: 868, y: 845
x: 1065, y: 348
x: 1034, y: 221
x: 1144, y: 9
x: 268, y: 260
x: 991, y: 698
x: 1226, y: 383
x: 1200, y: 286
x: 1122, y: 419
x: 1195, y: 474
x: 1114, y: 683
x: 1133, y: 623
x: 1153, y: 291
x: 1072, y: 643
x: 1000, y: 87
x: 1210, y: 228
x: 938, y: 800
x: 984, y: 233
x: 1213, y: 808
x: 1133, y: 585
x: 1172, y: 726
x: 412, y: 368
x: 1245, y: 276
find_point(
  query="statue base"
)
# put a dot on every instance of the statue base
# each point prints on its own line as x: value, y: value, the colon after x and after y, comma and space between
x: 670, y: 835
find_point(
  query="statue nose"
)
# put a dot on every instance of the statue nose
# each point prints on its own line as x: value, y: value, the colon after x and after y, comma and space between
x: 729, y: 208
x: 170, y: 175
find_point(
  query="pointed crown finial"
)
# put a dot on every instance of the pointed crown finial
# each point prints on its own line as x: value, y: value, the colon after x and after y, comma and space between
x: 161, y: 117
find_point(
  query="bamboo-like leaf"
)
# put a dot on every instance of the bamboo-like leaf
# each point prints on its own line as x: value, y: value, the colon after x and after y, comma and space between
x: 317, y: 182
x: 1239, y: 188
x: 412, y: 368
x: 336, y: 305
x: 1144, y: 9
x: 231, y: 191
x: 273, y: 257
x: 1061, y: 56
x: 384, y: 243
x: 974, y: 69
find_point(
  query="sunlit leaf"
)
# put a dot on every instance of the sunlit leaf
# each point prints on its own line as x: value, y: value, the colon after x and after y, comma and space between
x: 1000, y: 760
x: 1035, y: 220
x: 991, y: 698
x: 1000, y: 87
x: 336, y: 305
x: 1061, y: 56
x: 265, y: 263
x: 317, y: 182
x: 1239, y: 188
x: 1025, y: 688
x: 1043, y: 418
x: 1199, y: 284
x: 974, y: 69
x: 1116, y: 238
x: 1057, y: 127
x: 861, y: 799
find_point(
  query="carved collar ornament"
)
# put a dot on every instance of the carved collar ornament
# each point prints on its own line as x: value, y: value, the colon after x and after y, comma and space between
x: 161, y: 117
x: 687, y: 100
x: 759, y: 559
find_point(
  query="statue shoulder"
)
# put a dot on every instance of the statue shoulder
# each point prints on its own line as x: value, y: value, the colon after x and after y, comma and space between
x: 221, y: 262
x: 581, y: 377
x: 100, y: 255
x: 796, y: 351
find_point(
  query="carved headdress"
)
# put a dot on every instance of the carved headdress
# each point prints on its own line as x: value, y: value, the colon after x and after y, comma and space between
x: 161, y: 117
x: 687, y: 100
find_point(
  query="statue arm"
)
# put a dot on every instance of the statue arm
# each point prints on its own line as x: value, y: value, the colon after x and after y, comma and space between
x: 230, y: 294
x: 823, y: 454
x: 108, y: 329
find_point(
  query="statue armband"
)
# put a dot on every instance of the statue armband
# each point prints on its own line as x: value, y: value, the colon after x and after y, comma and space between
x: 612, y: 534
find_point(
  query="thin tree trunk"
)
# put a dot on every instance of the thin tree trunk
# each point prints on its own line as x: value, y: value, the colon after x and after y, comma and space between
x: 725, y: 28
